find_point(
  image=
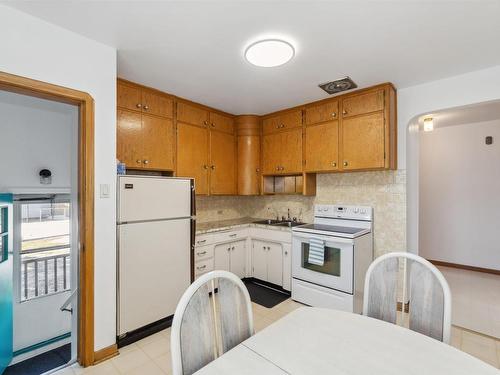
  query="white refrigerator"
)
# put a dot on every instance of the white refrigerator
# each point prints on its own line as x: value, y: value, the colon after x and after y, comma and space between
x: 156, y: 228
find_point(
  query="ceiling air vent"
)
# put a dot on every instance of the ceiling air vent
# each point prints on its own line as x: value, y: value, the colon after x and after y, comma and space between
x: 338, y: 85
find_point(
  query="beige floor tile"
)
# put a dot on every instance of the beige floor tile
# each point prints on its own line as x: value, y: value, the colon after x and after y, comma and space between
x: 129, y: 361
x: 165, y: 363
x: 147, y: 340
x: 149, y: 368
x: 128, y: 348
x: 260, y: 310
x: 65, y: 371
x: 481, y: 347
x: 157, y: 348
x: 104, y: 368
x: 261, y: 322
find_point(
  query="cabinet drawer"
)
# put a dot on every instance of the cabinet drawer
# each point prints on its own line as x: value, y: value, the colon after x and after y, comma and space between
x: 221, y: 123
x: 364, y: 103
x: 284, y: 121
x: 203, y: 252
x: 220, y: 237
x: 203, y: 266
x: 323, y: 112
x: 191, y: 114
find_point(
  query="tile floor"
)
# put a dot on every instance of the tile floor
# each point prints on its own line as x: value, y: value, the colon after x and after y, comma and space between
x: 475, y: 300
x: 151, y: 356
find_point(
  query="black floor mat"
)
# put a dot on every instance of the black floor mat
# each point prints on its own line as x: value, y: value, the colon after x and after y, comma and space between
x: 264, y: 296
x: 42, y: 362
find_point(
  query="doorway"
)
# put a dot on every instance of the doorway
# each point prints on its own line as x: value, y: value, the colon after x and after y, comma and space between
x: 58, y: 208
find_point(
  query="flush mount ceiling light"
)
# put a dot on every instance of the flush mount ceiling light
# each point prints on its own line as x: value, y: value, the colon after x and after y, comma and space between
x: 428, y: 124
x: 269, y: 53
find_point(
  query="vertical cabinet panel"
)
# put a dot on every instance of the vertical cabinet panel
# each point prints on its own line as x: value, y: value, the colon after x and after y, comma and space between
x: 322, y: 147
x: 287, y: 267
x: 222, y: 254
x: 129, y: 138
x: 248, y: 165
x: 275, y: 263
x: 222, y: 163
x: 158, y: 141
x: 192, y: 155
x: 238, y: 259
x: 291, y: 154
x: 259, y: 260
x: 271, y: 153
x: 363, y: 142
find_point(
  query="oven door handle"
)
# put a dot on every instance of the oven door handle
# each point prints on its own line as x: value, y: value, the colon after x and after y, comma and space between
x: 327, y: 239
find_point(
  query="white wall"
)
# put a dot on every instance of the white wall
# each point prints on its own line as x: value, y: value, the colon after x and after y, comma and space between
x: 33, y: 48
x: 36, y: 134
x: 474, y: 87
x: 459, y: 204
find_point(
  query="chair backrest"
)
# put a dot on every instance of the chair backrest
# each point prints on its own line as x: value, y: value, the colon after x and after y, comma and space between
x: 399, y: 277
x: 213, y: 316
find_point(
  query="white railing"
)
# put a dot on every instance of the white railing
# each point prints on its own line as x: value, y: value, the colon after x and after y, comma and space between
x: 44, y: 275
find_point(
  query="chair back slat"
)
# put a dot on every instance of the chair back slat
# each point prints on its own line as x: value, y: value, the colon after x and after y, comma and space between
x: 426, y: 302
x: 234, y: 318
x: 383, y: 287
x: 197, y: 333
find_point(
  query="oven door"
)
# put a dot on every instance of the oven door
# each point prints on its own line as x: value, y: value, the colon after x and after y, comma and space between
x: 337, y: 270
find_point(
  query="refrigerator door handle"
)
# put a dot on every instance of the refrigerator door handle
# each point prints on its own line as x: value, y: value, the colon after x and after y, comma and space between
x: 193, y: 199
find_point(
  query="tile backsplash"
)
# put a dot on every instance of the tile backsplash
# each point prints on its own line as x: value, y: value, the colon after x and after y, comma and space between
x: 385, y: 191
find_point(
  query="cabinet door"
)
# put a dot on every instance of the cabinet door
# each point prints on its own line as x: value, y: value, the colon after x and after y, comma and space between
x: 323, y: 112
x: 275, y: 263
x: 259, y: 260
x: 271, y: 153
x: 287, y: 267
x: 364, y: 103
x: 222, y: 255
x: 221, y: 123
x: 192, y: 155
x: 222, y: 163
x: 248, y: 165
x: 238, y: 259
x: 156, y: 104
x: 158, y: 142
x: 322, y: 147
x: 128, y: 96
x: 191, y: 114
x: 129, y: 138
x: 291, y: 151
x: 284, y: 121
x: 363, y: 142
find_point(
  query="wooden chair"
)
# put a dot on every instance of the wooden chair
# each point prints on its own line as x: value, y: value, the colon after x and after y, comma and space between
x: 420, y: 283
x: 213, y: 316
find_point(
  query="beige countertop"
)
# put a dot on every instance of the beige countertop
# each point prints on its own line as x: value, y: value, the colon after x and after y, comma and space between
x: 216, y: 226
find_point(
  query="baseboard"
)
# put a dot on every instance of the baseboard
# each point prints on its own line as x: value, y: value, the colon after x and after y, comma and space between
x: 105, y: 353
x: 148, y: 330
x: 464, y: 267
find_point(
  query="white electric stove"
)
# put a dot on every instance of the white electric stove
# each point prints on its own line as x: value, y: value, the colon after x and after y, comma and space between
x: 345, y: 239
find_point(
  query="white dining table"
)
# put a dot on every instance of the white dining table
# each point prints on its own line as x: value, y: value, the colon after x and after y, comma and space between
x: 316, y: 341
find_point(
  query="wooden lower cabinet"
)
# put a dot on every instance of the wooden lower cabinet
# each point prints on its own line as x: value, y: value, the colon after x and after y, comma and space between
x: 158, y: 142
x: 363, y: 142
x: 322, y: 147
x: 192, y: 155
x: 222, y: 163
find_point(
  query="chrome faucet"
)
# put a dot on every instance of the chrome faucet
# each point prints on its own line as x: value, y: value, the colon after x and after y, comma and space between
x: 288, y: 215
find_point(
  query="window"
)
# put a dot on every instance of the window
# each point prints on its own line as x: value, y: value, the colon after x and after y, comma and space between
x: 44, y: 248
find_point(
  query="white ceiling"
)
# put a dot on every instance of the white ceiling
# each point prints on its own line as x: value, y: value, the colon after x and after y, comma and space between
x: 195, y: 49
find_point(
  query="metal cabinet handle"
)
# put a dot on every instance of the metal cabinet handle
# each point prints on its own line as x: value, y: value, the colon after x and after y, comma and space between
x: 138, y: 161
x: 138, y: 105
x: 205, y: 166
x: 212, y: 167
x: 232, y: 248
x: 201, y: 253
x: 286, y: 252
x: 344, y: 112
x: 228, y: 249
x: 257, y: 170
x: 334, y: 114
x: 145, y: 107
x: 268, y: 248
x: 201, y: 241
x: 346, y: 164
x: 201, y: 267
x: 146, y: 161
x: 233, y: 235
x: 334, y: 164
x: 205, y: 122
x: 282, y: 168
x: 278, y: 168
x: 212, y: 125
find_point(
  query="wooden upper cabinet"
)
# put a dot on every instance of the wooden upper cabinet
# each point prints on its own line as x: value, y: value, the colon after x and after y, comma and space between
x: 192, y: 155
x: 291, y: 155
x: 283, y: 121
x: 222, y: 163
x: 363, y: 103
x: 129, y: 138
x: 128, y: 96
x: 192, y: 114
x: 322, y: 147
x: 158, y: 143
x: 221, y: 123
x: 363, y: 142
x: 271, y: 153
x: 322, y: 112
x: 156, y: 104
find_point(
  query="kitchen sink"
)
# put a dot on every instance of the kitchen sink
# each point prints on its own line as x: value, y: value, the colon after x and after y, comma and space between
x: 289, y: 224
x: 268, y: 222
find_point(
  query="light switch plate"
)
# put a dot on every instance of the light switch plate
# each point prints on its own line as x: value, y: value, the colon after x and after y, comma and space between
x: 104, y: 190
